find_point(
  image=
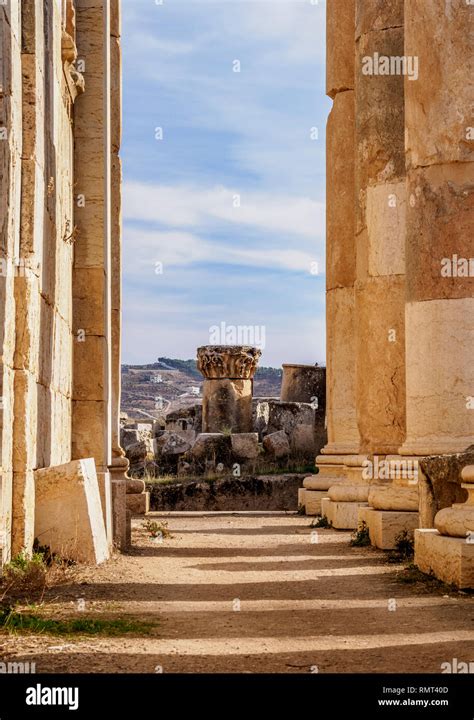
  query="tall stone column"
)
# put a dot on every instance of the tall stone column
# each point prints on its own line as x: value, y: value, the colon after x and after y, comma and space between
x: 119, y: 466
x: 10, y: 194
x: 343, y: 434
x: 380, y: 294
x: 228, y: 386
x: 440, y: 284
x: 440, y: 225
x: 92, y: 274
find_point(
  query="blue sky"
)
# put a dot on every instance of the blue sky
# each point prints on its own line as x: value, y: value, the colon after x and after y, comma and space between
x: 224, y: 215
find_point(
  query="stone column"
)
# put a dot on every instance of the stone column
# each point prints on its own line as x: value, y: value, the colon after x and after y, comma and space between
x: 380, y: 293
x: 440, y: 224
x: 10, y: 199
x: 440, y: 283
x: 228, y: 386
x: 92, y: 388
x: 119, y: 467
x: 343, y: 434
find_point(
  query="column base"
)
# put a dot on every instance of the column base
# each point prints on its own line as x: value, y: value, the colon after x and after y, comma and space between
x: 138, y: 503
x: 310, y: 500
x: 342, y: 515
x: 450, y: 559
x: 315, y: 487
x: 385, y: 525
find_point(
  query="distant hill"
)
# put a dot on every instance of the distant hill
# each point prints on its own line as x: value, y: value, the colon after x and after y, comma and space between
x: 169, y: 383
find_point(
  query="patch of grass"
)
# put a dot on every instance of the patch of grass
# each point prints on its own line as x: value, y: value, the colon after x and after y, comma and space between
x: 24, y: 574
x: 13, y: 621
x: 163, y: 479
x: 321, y: 521
x: 412, y: 575
x: 157, y: 530
x: 301, y: 510
x: 360, y: 537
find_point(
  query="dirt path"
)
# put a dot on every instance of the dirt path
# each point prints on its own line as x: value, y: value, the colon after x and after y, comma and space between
x: 236, y: 593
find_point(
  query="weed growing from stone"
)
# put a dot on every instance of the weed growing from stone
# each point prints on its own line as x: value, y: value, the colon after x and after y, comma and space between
x: 157, y: 530
x: 360, y: 537
x: 321, y: 522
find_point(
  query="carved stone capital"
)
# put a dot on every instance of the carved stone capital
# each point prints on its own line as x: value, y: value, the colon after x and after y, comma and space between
x: 237, y: 362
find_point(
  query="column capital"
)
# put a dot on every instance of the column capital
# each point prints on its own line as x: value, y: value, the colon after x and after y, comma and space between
x: 237, y: 362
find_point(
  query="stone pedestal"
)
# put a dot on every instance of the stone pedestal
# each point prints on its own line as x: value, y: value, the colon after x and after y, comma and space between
x: 448, y: 551
x: 315, y: 488
x: 228, y: 386
x: 393, y: 503
x: 385, y: 525
x: 344, y: 498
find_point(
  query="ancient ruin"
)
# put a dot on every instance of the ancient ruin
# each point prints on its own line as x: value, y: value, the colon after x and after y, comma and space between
x: 392, y: 421
x: 400, y: 331
x: 60, y: 301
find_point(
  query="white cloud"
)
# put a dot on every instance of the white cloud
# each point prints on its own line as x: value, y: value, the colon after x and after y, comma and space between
x: 187, y: 206
x: 143, y: 249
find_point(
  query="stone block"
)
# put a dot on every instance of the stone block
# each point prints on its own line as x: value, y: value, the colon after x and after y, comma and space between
x: 302, y: 442
x: 245, y: 446
x: 138, y: 504
x: 68, y: 513
x: 313, y: 500
x: 128, y: 436
x: 342, y: 515
x: 384, y: 525
x: 301, y: 497
x: 170, y: 443
x: 449, y: 559
x: 212, y: 446
x: 276, y: 445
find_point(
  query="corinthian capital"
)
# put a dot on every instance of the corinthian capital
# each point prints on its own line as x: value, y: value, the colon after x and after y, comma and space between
x: 238, y: 362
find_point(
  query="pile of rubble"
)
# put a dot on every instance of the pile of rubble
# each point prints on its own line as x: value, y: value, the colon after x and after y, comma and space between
x: 279, y: 433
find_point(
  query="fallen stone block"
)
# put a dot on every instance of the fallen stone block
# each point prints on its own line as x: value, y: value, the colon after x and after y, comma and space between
x: 212, y: 446
x: 171, y: 443
x: 245, y: 446
x: 68, y: 512
x: 128, y: 436
x: 276, y: 444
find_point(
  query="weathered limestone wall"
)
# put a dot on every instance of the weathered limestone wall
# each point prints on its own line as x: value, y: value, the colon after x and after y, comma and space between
x: 56, y: 217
